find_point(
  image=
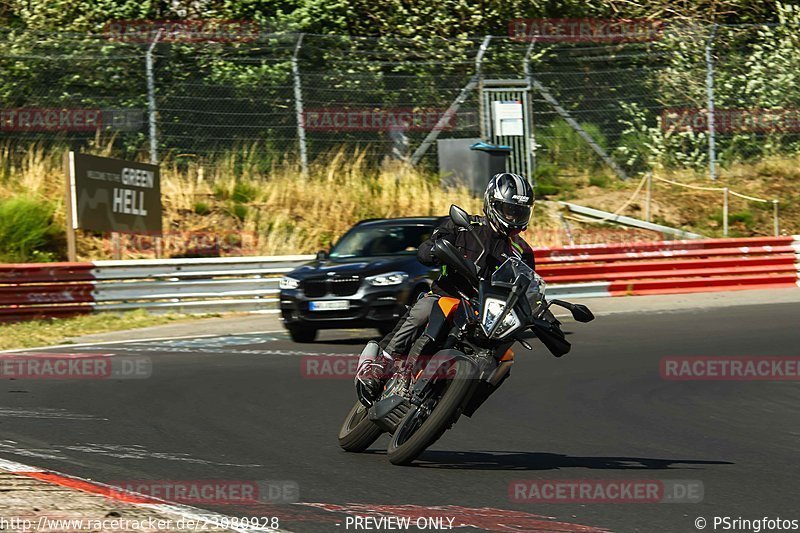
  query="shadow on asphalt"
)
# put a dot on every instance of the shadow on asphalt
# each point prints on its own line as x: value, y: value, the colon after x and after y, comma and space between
x: 548, y: 461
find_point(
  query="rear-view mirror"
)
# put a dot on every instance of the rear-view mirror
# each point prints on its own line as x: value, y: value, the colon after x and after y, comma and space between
x: 581, y: 313
x: 460, y: 217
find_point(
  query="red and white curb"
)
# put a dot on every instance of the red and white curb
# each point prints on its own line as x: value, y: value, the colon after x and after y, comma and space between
x: 121, y: 495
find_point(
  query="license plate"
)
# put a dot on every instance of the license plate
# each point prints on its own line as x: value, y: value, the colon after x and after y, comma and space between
x: 329, y: 305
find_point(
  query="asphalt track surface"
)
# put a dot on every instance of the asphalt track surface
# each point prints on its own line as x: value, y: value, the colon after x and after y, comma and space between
x: 241, y: 408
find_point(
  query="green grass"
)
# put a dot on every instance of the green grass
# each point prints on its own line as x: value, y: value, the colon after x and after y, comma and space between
x: 27, y: 231
x: 47, y: 332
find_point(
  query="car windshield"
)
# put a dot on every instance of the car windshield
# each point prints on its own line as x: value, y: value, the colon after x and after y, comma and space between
x: 367, y: 241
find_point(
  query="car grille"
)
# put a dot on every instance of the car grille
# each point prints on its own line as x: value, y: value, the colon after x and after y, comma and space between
x: 338, y: 286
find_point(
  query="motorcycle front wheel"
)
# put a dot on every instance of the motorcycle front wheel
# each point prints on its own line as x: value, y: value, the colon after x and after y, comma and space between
x: 420, y: 429
x: 358, y: 432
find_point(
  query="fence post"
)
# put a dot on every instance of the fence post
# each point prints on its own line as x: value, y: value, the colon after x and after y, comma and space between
x: 712, y: 150
x: 649, y: 197
x: 298, y: 108
x: 151, y: 98
x: 725, y: 211
x: 531, y: 140
x: 776, y: 222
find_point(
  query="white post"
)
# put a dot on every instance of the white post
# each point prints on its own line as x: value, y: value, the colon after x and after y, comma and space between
x: 151, y: 99
x: 649, y: 197
x: 712, y: 149
x: 776, y: 222
x: 298, y: 108
x: 725, y: 211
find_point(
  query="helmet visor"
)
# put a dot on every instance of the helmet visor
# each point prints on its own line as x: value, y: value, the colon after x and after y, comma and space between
x: 513, y: 214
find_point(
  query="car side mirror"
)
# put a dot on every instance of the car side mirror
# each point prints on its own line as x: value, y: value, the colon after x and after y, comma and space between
x: 460, y: 217
x: 322, y: 255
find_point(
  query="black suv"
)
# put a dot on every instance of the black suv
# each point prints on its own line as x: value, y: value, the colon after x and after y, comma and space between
x: 366, y: 280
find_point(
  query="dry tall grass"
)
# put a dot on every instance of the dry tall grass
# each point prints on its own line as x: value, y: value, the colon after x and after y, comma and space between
x: 248, y: 209
x: 274, y: 212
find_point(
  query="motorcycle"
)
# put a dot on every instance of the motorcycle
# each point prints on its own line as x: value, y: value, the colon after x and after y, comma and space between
x: 462, y: 358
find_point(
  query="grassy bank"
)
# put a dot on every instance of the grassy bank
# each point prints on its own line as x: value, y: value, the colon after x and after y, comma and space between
x: 59, y: 330
x: 234, y: 205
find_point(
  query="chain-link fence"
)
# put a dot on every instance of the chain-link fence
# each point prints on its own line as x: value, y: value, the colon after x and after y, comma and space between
x: 682, y: 96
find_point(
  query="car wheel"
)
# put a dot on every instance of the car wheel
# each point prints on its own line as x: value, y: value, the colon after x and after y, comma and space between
x: 302, y: 334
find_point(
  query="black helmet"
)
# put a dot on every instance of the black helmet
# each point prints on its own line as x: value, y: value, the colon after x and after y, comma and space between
x: 507, y: 202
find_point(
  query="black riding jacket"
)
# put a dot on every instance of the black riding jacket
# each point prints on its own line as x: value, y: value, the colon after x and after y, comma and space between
x: 498, y: 249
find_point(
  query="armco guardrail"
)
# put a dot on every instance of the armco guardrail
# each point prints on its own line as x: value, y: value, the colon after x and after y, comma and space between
x: 672, y: 266
x: 250, y: 283
x: 180, y: 285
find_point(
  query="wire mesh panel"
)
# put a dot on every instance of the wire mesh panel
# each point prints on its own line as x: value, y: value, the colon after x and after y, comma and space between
x: 626, y: 104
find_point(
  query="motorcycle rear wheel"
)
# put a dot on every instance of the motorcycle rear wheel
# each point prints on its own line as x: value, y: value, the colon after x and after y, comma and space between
x: 358, y: 432
x: 412, y: 437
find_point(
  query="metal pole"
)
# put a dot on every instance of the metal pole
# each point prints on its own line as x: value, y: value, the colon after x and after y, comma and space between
x: 71, y: 205
x: 298, y: 108
x: 566, y: 229
x: 530, y: 140
x: 649, y: 197
x: 712, y: 149
x: 151, y: 99
x: 725, y: 211
x: 451, y: 111
x: 776, y: 222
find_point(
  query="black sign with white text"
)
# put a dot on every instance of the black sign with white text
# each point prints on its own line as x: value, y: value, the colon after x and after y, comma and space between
x: 114, y: 195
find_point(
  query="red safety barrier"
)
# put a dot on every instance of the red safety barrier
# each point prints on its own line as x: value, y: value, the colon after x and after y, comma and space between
x: 54, y: 293
x: 630, y: 250
x: 18, y: 273
x: 583, y: 272
x: 676, y: 266
x: 17, y: 314
x: 702, y: 284
x: 66, y: 289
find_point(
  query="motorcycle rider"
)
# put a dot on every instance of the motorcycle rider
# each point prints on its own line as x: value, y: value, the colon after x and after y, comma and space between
x: 507, y: 205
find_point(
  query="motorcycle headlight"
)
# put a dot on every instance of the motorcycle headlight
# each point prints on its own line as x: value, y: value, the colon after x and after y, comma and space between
x: 388, y: 279
x: 492, y: 308
x: 288, y: 283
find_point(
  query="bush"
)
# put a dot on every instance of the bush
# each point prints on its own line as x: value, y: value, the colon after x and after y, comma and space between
x: 202, y: 208
x: 567, y: 149
x: 600, y: 180
x: 27, y: 231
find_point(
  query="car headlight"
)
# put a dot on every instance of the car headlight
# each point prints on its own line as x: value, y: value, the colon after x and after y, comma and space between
x: 288, y: 283
x: 492, y: 308
x: 385, y: 280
